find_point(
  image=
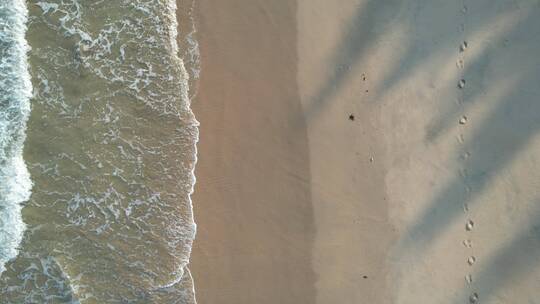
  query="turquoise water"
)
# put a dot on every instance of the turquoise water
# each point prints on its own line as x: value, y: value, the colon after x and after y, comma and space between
x: 96, y: 207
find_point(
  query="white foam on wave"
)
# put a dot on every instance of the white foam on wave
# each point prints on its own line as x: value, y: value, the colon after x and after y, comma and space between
x: 184, y: 92
x: 193, y: 52
x: 46, y: 6
x: 15, y: 94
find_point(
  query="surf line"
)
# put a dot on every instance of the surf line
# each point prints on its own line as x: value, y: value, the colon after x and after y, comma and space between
x: 16, y: 91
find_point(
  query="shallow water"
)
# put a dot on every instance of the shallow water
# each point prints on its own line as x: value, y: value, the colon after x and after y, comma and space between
x: 110, y: 149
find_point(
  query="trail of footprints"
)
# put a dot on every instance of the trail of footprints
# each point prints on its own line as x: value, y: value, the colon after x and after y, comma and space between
x: 469, y: 225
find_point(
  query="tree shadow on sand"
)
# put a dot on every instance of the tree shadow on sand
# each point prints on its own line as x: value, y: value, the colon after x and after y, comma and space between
x: 510, y: 263
x: 511, y: 123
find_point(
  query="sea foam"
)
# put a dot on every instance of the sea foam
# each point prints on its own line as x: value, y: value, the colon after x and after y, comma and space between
x: 15, y: 93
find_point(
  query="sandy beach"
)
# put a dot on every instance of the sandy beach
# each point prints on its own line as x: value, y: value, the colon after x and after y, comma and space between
x: 258, y: 205
x: 359, y: 151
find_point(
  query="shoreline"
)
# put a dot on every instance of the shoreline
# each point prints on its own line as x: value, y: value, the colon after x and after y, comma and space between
x: 185, y: 19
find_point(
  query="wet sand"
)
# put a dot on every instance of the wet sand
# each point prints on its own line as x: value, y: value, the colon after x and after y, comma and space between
x: 252, y: 199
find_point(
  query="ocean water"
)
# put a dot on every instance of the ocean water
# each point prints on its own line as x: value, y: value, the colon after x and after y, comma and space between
x: 97, y: 151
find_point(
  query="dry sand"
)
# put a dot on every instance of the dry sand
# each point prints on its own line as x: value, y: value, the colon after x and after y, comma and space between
x: 297, y: 201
